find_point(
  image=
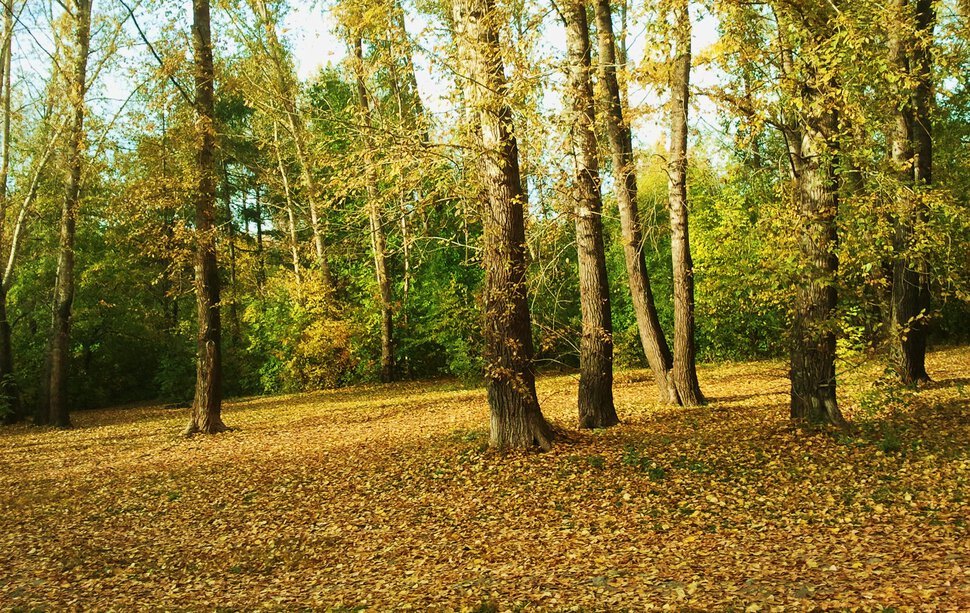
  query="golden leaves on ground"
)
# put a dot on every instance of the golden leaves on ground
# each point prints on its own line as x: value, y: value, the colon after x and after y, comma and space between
x: 383, y: 498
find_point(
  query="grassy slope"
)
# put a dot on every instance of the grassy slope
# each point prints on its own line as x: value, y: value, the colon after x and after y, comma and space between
x: 387, y: 497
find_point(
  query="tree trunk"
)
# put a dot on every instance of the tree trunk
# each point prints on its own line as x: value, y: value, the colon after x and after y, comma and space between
x: 378, y: 240
x: 260, y: 255
x: 813, y: 350
x: 290, y: 216
x: 912, y: 155
x: 288, y: 92
x: 684, y: 370
x: 596, y: 409
x: 59, y: 343
x: 11, y: 410
x: 516, y: 420
x: 652, y: 337
x: 207, y: 405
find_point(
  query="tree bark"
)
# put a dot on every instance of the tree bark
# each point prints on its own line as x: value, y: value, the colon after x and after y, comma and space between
x: 652, y: 337
x: 684, y: 368
x: 57, y: 412
x: 912, y: 156
x: 516, y: 420
x: 813, y: 335
x: 378, y: 240
x: 596, y: 408
x: 207, y: 404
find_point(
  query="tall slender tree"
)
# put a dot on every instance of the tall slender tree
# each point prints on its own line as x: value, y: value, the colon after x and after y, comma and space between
x: 516, y: 420
x: 910, y: 42
x: 54, y: 408
x: 652, y: 337
x: 207, y: 404
x: 684, y: 368
x: 596, y: 409
x: 376, y: 218
x: 285, y: 87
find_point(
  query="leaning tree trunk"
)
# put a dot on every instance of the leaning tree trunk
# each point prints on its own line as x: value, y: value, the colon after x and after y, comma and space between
x: 378, y: 239
x: 685, y: 369
x: 652, y: 337
x: 596, y: 409
x: 58, y: 358
x: 912, y: 155
x: 516, y: 420
x: 207, y: 405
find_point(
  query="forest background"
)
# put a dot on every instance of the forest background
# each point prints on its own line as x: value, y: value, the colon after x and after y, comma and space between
x: 308, y: 168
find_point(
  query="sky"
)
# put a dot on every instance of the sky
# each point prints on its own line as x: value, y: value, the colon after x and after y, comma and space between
x: 310, y: 31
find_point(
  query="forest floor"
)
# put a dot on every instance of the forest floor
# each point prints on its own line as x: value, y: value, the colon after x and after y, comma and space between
x: 386, y: 498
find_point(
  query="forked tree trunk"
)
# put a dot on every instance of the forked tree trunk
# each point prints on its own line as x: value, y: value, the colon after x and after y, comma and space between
x: 58, y: 360
x: 652, y: 337
x: 912, y: 154
x: 596, y: 408
x: 685, y: 369
x: 207, y: 404
x: 516, y: 420
x: 290, y: 215
x: 378, y: 240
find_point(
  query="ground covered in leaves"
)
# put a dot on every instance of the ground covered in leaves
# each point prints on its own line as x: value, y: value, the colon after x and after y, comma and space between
x: 384, y: 498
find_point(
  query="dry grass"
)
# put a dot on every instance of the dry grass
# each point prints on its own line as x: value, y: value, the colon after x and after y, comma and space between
x: 384, y: 498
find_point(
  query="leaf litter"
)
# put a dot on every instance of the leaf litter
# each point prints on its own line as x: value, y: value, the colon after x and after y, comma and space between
x: 387, y: 498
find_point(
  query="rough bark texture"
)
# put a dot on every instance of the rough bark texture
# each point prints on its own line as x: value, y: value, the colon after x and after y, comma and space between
x: 652, y: 337
x: 912, y: 154
x: 813, y: 335
x: 685, y: 369
x: 58, y: 358
x: 596, y: 409
x: 207, y: 404
x: 516, y: 420
x: 377, y: 237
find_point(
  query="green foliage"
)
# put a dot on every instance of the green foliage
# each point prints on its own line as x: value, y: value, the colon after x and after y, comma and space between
x: 297, y: 337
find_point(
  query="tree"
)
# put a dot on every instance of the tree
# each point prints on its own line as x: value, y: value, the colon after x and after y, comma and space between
x: 282, y: 83
x: 54, y: 403
x: 376, y: 219
x: 516, y: 420
x: 684, y: 367
x: 910, y: 39
x: 652, y: 337
x: 810, y: 83
x: 596, y: 409
x: 207, y: 403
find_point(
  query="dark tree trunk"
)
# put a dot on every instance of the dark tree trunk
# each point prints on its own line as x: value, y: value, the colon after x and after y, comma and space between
x: 207, y: 404
x: 685, y: 369
x: 59, y: 340
x: 596, y: 409
x: 260, y: 255
x: 912, y: 154
x: 11, y: 409
x: 378, y: 240
x: 516, y: 420
x: 652, y: 337
x: 231, y: 236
